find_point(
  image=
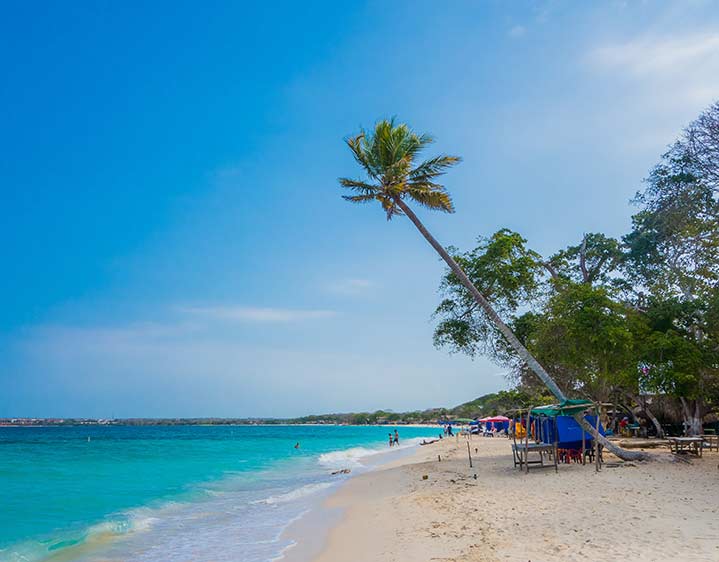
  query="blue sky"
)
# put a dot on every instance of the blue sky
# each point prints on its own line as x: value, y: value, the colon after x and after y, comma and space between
x: 174, y: 243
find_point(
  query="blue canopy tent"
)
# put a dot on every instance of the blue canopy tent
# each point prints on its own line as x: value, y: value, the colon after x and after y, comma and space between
x: 567, y: 432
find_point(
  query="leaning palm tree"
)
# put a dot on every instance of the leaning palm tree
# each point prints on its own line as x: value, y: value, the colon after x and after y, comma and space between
x: 388, y: 157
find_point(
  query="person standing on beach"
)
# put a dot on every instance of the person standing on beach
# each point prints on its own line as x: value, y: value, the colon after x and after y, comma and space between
x: 391, y: 441
x: 396, y: 437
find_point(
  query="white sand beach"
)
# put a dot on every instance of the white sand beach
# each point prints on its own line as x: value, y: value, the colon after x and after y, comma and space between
x: 628, y: 511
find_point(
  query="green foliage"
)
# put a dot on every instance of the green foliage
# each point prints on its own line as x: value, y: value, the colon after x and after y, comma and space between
x: 387, y: 156
x: 589, y: 339
x: 593, y: 261
x: 501, y: 402
x: 640, y: 316
x: 673, y: 248
x: 506, y: 273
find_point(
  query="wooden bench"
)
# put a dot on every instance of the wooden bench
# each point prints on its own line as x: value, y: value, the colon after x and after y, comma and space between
x: 711, y: 441
x: 520, y: 452
x: 693, y: 445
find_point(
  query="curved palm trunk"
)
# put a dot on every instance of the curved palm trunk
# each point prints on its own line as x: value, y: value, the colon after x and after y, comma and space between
x: 488, y: 310
x: 522, y: 351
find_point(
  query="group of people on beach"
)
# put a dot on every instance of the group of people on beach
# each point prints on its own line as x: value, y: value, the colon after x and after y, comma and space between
x: 394, y: 439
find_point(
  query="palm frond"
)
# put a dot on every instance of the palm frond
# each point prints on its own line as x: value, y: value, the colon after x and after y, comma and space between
x: 359, y: 145
x: 432, y: 196
x: 387, y: 155
x: 360, y: 198
x: 359, y: 186
x: 433, y: 167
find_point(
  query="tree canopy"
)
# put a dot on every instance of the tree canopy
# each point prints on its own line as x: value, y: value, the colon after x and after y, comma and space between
x: 638, y: 315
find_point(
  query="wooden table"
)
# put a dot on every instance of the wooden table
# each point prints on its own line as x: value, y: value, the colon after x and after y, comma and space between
x: 692, y: 445
x: 521, y: 451
x: 711, y: 441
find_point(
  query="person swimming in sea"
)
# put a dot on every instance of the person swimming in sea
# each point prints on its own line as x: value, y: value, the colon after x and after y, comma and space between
x: 297, y: 445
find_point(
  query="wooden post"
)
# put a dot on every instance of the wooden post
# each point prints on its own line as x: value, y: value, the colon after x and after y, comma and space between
x: 556, y: 450
x: 596, y: 444
x: 526, y: 440
x: 469, y: 453
x: 584, y: 446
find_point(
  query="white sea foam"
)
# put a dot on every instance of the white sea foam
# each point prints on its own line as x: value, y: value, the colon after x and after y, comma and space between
x: 352, y: 458
x: 346, y: 457
x: 284, y: 551
x: 297, y: 494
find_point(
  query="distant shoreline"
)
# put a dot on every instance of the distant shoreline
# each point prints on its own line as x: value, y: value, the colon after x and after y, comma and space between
x: 189, y: 422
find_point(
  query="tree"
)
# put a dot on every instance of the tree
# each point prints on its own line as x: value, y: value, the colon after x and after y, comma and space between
x: 507, y: 274
x: 702, y: 140
x: 591, y: 262
x: 387, y: 156
x: 673, y: 248
x: 673, y: 261
x: 573, y: 321
x: 680, y: 356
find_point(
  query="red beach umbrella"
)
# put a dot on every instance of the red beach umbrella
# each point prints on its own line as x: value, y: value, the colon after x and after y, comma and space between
x: 495, y: 419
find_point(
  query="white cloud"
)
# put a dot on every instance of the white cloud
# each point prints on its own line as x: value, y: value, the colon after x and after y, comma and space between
x: 517, y: 31
x: 655, y: 84
x: 685, y: 68
x: 350, y: 286
x: 169, y: 370
x: 649, y: 55
x: 256, y: 314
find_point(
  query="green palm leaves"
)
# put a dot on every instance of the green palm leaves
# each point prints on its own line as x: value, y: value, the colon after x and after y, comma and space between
x: 387, y: 156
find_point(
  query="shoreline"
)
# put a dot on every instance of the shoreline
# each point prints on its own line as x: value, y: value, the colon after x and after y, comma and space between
x: 652, y: 511
x: 310, y: 533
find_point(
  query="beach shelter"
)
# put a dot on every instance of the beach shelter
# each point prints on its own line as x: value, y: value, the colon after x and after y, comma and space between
x: 566, y: 408
x: 498, y: 422
x: 567, y: 432
x: 556, y: 424
x: 495, y: 419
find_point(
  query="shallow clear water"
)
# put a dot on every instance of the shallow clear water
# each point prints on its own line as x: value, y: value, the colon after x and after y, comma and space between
x: 169, y: 493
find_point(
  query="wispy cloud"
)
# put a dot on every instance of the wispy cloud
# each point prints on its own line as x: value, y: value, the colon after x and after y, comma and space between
x: 684, y: 67
x: 517, y: 31
x: 650, y: 55
x: 256, y: 314
x: 657, y: 82
x: 350, y: 286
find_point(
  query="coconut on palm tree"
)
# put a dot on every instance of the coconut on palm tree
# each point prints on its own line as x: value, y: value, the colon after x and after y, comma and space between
x: 389, y: 157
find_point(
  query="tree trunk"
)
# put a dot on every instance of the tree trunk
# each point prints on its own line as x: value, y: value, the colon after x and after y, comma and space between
x: 650, y: 415
x: 488, y: 310
x: 609, y: 445
x: 693, y: 417
x: 629, y: 411
x: 522, y: 351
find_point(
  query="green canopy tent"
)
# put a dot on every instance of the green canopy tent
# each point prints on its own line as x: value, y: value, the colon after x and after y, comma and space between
x: 566, y: 408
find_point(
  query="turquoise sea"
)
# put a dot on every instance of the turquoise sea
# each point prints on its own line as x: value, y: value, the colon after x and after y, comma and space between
x: 122, y: 493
